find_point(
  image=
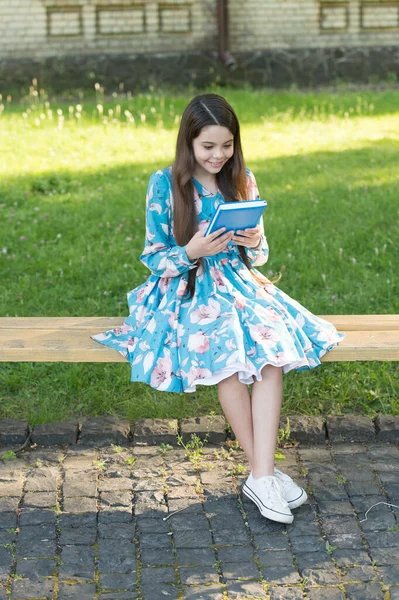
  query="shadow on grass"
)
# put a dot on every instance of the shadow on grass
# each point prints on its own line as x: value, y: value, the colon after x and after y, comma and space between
x: 356, y: 212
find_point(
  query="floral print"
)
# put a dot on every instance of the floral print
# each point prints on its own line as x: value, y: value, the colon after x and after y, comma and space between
x: 231, y: 325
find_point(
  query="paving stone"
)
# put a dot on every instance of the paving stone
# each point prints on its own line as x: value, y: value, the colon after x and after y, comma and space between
x: 394, y: 592
x: 387, y: 428
x: 198, y: 575
x: 211, y: 428
x: 385, y: 556
x: 13, y: 432
x: 350, y: 428
x: 84, y: 591
x: 313, y: 560
x: 278, y: 541
x: 152, y: 557
x: 321, y: 576
x: 11, y: 488
x: 362, y: 488
x: 198, y: 556
x: 344, y: 540
x: 155, y: 431
x: 43, y: 479
x: 73, y: 535
x: 305, y: 429
x: 118, y: 581
x: 81, y: 484
x: 274, y: 558
x: 61, y: 432
x: 189, y: 522
x: 308, y: 543
x: 382, y: 539
x: 280, y: 574
x: 116, y: 499
x: 348, y: 557
x: 305, y: 527
x: 104, y: 431
x: 8, y: 519
x: 116, y: 483
x: 119, y: 530
x: 239, y: 536
x: 248, y: 589
x: 359, y: 573
x: 31, y: 589
x: 7, y: 536
x: 155, y: 540
x: 122, y: 515
x: 325, y: 593
x: 314, y: 455
x: 78, y: 520
x: 193, y: 539
x: 182, y: 491
x: 379, y: 521
x: 258, y: 524
x: 40, y: 499
x: 77, y: 562
x: 364, y: 591
x: 153, y: 525
x: 336, y: 525
x: 209, y: 592
x: 240, y: 570
x: 389, y: 574
x: 235, y: 553
x: 117, y: 563
x: 5, y: 560
x: 9, y: 504
x: 157, y: 575
x: 80, y: 504
x: 335, y: 507
x: 38, y: 533
x: 118, y: 596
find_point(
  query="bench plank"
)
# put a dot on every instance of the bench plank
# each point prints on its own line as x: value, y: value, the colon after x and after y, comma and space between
x: 67, y: 339
x: 99, y: 324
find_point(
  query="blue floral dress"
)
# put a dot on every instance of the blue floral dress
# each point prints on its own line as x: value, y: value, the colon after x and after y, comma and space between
x: 231, y: 325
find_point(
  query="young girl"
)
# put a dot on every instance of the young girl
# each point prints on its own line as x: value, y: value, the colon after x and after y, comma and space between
x: 205, y: 315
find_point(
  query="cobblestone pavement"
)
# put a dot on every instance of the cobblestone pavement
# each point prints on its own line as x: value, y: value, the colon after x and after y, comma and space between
x: 89, y: 523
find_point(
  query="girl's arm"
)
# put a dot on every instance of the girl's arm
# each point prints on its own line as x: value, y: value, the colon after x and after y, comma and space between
x: 161, y: 254
x: 257, y: 256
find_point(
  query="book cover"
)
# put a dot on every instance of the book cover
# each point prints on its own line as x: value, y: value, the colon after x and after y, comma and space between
x: 243, y: 214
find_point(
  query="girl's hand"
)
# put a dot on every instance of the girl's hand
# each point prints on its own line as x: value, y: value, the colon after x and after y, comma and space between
x: 250, y: 238
x: 199, y: 245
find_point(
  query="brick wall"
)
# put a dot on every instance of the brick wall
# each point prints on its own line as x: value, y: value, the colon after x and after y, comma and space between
x: 263, y: 24
x: 44, y: 28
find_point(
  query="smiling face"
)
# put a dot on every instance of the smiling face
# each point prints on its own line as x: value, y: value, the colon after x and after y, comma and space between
x: 212, y: 149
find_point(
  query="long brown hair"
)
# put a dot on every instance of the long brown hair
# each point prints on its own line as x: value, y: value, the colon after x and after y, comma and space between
x: 204, y: 110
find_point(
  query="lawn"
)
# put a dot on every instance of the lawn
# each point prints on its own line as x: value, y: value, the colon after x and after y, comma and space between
x: 72, y: 203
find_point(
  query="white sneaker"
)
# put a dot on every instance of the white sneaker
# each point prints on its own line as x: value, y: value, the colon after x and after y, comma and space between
x: 268, y: 496
x: 294, y: 494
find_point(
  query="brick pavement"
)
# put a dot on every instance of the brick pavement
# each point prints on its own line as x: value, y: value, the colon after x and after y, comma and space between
x: 88, y: 523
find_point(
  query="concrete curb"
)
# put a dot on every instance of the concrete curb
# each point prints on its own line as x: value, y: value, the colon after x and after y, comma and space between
x: 108, y: 429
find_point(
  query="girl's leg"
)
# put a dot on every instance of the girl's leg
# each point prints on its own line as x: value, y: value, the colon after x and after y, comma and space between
x: 235, y: 401
x: 266, y: 404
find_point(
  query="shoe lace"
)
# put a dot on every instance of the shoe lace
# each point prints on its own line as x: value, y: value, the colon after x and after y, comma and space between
x: 273, y: 489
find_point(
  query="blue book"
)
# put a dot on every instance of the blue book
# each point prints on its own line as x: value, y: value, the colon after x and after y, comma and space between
x: 238, y: 214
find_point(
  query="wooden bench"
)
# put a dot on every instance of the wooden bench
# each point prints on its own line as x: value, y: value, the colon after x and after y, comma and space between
x: 67, y: 339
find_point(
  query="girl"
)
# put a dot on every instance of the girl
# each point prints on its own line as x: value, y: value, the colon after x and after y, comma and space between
x: 205, y: 315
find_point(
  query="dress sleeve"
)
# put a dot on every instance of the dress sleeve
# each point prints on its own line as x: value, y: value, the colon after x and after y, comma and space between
x: 257, y: 256
x: 161, y: 254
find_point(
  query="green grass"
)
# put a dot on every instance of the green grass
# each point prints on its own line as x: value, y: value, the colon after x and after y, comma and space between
x: 72, y: 206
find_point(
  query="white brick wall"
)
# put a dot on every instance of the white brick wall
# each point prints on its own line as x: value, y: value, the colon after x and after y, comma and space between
x: 39, y: 28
